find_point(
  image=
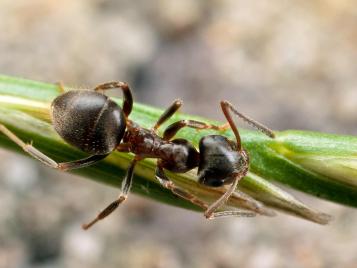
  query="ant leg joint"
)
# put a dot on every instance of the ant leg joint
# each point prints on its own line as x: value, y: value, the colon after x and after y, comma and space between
x: 122, y: 198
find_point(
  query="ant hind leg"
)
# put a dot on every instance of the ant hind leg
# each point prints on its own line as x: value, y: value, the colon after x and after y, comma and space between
x: 128, y: 98
x: 37, y: 154
x: 61, y: 87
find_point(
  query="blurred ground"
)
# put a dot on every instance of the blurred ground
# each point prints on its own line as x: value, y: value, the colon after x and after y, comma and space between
x: 289, y: 64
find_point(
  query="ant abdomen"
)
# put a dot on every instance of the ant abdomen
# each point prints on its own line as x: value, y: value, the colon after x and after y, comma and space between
x: 89, y: 121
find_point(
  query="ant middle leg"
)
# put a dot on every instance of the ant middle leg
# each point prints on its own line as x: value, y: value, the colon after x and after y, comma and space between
x: 128, y: 98
x: 168, y: 184
x: 37, y: 154
x: 173, y: 108
x: 172, y: 129
x: 125, y: 188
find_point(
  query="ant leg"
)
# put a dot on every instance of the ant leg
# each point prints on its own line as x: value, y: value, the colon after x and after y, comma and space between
x: 210, y: 212
x: 166, y: 183
x: 125, y: 188
x: 123, y: 147
x: 168, y: 113
x: 81, y: 163
x: 225, y: 105
x: 28, y: 148
x: 61, y: 87
x: 128, y: 98
x: 172, y: 129
x: 232, y: 213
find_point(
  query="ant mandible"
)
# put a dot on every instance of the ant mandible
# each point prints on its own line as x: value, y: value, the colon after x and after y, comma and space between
x: 95, y: 124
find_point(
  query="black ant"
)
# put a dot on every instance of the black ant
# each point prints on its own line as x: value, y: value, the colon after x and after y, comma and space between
x: 92, y: 122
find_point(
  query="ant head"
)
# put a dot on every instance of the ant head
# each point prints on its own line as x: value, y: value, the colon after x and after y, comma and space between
x: 88, y: 120
x: 220, y: 161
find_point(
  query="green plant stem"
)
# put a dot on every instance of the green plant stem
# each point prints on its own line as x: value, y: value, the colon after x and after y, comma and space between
x: 323, y: 165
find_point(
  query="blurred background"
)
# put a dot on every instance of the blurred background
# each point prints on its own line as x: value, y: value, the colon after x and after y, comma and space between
x: 289, y: 64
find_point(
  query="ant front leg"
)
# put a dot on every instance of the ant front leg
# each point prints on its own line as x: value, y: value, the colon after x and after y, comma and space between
x: 211, y: 213
x: 128, y: 98
x: 28, y: 148
x: 209, y: 210
x: 125, y: 188
x: 226, y: 106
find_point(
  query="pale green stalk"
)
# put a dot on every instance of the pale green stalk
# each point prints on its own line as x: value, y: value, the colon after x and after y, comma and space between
x: 320, y: 164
